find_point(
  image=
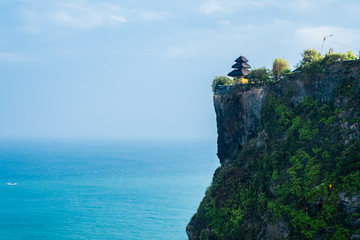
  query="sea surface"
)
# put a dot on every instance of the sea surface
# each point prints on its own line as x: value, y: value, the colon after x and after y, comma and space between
x: 101, y: 190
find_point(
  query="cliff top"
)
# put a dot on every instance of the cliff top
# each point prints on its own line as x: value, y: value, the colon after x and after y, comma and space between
x: 290, y: 158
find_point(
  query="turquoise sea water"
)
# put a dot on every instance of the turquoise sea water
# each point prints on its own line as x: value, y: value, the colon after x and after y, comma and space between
x: 101, y: 190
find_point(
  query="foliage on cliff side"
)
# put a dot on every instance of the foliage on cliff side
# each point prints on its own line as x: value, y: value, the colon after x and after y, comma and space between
x: 313, y: 62
x: 280, y: 68
x: 260, y: 76
x: 294, y: 175
x: 221, y: 81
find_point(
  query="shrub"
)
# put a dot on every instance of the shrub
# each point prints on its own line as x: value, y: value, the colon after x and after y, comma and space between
x: 338, y: 57
x: 309, y: 55
x: 260, y: 75
x: 280, y: 66
x: 350, y: 55
x: 314, y: 63
x: 284, y: 73
x: 220, y: 81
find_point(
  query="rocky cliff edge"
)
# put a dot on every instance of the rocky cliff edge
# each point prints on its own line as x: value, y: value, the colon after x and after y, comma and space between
x: 275, y: 137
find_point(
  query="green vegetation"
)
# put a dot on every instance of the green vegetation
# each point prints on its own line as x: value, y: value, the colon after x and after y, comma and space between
x: 297, y: 177
x: 309, y: 55
x: 280, y: 68
x: 220, y: 81
x: 260, y: 76
x: 314, y: 63
x: 289, y: 179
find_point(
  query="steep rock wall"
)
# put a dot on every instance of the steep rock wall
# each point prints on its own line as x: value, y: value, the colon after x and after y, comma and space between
x: 237, y: 116
x: 238, y: 107
x: 246, y: 151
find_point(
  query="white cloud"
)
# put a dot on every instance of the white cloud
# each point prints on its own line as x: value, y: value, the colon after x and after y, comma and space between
x: 197, y: 44
x: 117, y: 18
x: 150, y: 15
x: 343, y: 39
x: 242, y: 7
x: 82, y: 14
x: 13, y: 57
x: 77, y: 20
x: 224, y: 22
x: 217, y: 6
x: 300, y: 5
x: 76, y: 14
x: 211, y: 7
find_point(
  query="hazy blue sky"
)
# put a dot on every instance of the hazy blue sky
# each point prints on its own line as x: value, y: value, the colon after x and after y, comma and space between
x: 143, y: 69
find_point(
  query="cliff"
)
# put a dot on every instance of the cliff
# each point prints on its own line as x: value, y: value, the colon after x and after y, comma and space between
x: 290, y: 159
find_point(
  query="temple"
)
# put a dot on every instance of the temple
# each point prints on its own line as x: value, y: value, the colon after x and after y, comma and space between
x: 241, y: 70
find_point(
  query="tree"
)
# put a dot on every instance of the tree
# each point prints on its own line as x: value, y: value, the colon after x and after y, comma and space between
x: 219, y: 81
x: 338, y: 57
x: 350, y: 55
x: 309, y: 55
x: 280, y: 68
x: 260, y: 75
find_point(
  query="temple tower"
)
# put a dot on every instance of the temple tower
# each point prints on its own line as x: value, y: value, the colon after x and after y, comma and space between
x: 241, y: 70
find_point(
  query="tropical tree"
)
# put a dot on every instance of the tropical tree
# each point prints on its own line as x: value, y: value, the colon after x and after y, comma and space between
x: 309, y: 55
x: 338, y: 57
x: 260, y: 75
x: 280, y: 68
x: 350, y: 55
x: 219, y: 81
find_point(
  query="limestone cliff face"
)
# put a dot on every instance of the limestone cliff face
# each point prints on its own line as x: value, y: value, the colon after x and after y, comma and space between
x: 310, y: 131
x: 237, y: 116
x: 238, y: 107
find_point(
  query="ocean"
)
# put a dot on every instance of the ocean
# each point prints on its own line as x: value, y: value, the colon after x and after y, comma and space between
x: 101, y: 190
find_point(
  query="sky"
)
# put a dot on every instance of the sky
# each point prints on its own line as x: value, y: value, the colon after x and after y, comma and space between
x: 136, y: 69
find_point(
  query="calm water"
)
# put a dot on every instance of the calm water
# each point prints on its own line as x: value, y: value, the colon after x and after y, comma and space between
x: 107, y: 190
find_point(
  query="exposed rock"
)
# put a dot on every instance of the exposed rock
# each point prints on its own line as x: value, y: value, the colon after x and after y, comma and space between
x: 237, y: 116
x: 350, y: 204
x: 276, y: 231
x: 238, y: 113
x: 238, y: 107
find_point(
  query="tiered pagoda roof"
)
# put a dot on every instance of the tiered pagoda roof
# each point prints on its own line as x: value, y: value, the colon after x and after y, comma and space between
x: 241, y: 68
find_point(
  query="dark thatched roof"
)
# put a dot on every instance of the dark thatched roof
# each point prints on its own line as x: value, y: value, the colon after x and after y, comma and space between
x: 239, y: 72
x: 241, y: 59
x: 241, y: 65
